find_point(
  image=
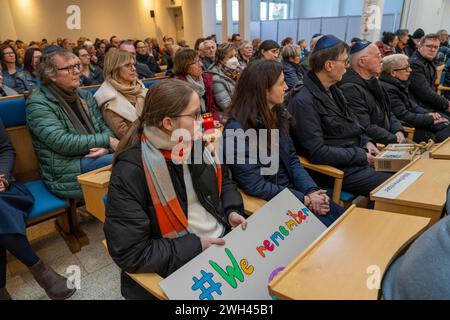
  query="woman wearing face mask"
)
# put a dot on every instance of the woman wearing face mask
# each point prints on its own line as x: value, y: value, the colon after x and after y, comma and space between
x: 225, y: 73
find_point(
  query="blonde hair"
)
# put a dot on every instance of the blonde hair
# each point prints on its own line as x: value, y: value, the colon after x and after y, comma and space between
x: 393, y: 61
x: 114, y: 60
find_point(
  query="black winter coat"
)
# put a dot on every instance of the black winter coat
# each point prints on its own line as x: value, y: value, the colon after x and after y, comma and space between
x: 403, y: 107
x: 131, y: 227
x: 422, y: 87
x: 7, y: 154
x: 326, y: 132
x: 370, y: 103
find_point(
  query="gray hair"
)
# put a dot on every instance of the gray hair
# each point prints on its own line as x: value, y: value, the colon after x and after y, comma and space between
x: 243, y: 44
x: 393, y: 61
x: 47, y: 68
x: 290, y: 51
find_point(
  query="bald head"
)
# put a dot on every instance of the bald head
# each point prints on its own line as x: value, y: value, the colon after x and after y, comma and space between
x: 367, y: 62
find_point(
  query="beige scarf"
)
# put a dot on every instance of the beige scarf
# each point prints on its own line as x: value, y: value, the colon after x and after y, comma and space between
x: 135, y: 93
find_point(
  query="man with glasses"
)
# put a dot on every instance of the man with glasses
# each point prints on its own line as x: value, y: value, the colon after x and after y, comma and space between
x: 143, y: 71
x: 424, y: 75
x: 69, y: 134
x: 326, y: 131
x: 367, y: 98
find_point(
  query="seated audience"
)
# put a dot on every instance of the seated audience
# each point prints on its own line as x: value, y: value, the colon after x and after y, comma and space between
x: 287, y: 42
x: 90, y: 48
x: 225, y: 73
x: 157, y: 52
x: 90, y: 74
x: 312, y: 44
x: 422, y: 273
x: 143, y: 71
x: 256, y: 106
x: 143, y: 55
x: 413, y: 42
x: 269, y: 50
x: 69, y: 134
x: 15, y: 204
x: 208, y: 50
x: 196, y: 205
x: 5, y: 91
x: 326, y: 131
x: 388, y: 44
x: 366, y: 97
x: 245, y: 54
x: 293, y: 72
x: 443, y: 37
x: 303, y: 49
x: 13, y: 75
x: 256, y: 43
x: 32, y: 59
x: 236, y: 39
x: 188, y: 67
x: 395, y: 79
x: 403, y: 37
x: 424, y: 75
x: 121, y: 96
x: 100, y: 48
x: 68, y: 44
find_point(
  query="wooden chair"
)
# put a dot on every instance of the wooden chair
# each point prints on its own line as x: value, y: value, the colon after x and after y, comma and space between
x: 440, y: 81
x: 149, y: 281
x: 410, y: 132
x: 47, y: 206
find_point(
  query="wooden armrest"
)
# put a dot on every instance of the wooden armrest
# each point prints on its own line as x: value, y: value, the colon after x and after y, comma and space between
x: 251, y: 204
x: 324, y: 169
x: 409, y: 129
x: 443, y: 88
x: 149, y: 281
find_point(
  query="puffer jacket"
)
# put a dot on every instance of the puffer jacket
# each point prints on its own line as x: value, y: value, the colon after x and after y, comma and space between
x: 59, y: 148
x: 223, y: 87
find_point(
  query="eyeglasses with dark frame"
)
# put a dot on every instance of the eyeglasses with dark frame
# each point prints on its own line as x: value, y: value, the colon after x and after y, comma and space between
x: 345, y: 61
x: 71, y: 69
x: 408, y: 67
x: 197, y: 115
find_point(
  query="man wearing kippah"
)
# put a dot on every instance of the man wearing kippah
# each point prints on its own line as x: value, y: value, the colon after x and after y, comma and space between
x: 326, y: 131
x: 367, y: 98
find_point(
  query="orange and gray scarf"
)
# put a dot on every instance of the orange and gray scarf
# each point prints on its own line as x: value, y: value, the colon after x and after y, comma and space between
x: 172, y: 220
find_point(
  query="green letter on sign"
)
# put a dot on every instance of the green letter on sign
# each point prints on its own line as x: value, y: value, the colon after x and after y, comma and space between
x: 232, y: 272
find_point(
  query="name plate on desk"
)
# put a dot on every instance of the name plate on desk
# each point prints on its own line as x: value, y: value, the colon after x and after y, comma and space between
x: 397, y: 186
x: 243, y: 268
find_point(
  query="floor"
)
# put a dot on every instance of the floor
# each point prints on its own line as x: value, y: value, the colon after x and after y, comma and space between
x: 100, y: 277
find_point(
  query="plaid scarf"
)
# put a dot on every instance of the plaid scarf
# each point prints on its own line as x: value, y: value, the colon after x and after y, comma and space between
x: 172, y: 220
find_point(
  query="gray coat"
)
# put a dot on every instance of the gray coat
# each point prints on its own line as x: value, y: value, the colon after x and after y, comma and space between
x: 223, y: 88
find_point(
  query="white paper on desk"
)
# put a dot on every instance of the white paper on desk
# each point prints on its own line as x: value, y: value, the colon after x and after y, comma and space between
x: 398, y: 185
x: 243, y: 246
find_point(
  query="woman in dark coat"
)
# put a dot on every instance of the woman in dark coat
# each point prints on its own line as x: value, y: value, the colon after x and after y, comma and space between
x: 195, y: 206
x: 293, y: 72
x: 15, y: 203
x: 429, y: 125
x: 259, y: 93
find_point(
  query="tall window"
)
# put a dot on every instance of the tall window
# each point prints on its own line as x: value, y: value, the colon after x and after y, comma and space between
x: 235, y: 6
x: 274, y: 10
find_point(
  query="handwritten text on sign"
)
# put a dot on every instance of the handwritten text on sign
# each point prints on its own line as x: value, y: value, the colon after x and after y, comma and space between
x: 275, y: 236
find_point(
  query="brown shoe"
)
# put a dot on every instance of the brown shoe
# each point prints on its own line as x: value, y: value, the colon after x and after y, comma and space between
x: 4, y: 295
x: 55, y: 286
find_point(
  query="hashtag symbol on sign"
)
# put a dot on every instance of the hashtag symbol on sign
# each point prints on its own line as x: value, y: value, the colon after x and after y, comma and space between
x: 213, y: 287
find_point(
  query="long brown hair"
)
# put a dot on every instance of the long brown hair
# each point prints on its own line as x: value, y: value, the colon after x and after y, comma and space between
x: 167, y: 98
x: 250, y: 96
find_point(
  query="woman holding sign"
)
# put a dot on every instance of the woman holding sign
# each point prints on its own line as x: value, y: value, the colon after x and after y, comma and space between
x: 162, y: 209
x: 256, y: 107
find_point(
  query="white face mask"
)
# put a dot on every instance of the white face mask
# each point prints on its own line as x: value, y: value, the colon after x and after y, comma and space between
x: 232, y: 63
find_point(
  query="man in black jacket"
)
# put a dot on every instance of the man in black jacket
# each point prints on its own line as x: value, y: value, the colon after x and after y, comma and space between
x: 366, y: 97
x: 326, y: 131
x: 424, y: 74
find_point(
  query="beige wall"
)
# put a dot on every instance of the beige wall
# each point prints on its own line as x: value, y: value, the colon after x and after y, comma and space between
x: 34, y: 19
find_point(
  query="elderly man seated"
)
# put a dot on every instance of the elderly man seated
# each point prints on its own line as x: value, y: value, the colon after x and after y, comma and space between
x: 395, y: 76
x: 366, y: 97
x: 69, y: 134
x: 208, y: 49
x: 424, y: 75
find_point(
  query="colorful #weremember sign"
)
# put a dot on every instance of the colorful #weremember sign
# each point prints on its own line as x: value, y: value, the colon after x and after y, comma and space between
x: 243, y: 268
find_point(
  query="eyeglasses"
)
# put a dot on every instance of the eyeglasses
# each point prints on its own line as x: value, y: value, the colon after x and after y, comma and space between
x: 71, y: 69
x: 11, y: 53
x: 130, y: 66
x: 197, y: 115
x: 408, y: 67
x: 345, y: 61
x: 431, y: 47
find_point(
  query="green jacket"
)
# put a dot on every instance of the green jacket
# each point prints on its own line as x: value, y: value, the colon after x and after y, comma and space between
x: 59, y: 148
